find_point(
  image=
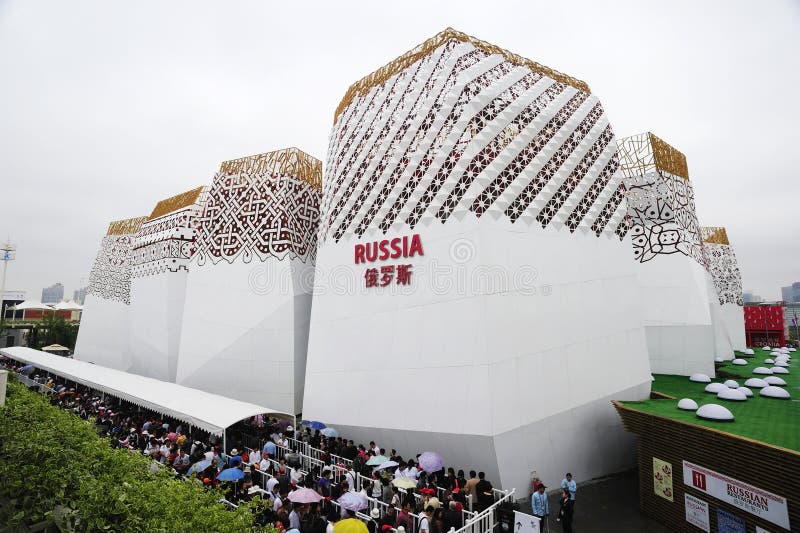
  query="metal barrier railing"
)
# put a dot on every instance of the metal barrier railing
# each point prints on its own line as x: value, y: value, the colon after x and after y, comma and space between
x: 486, y: 520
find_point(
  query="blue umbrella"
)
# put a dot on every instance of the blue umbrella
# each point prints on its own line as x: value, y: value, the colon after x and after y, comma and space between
x: 230, y: 474
x: 199, y: 466
x: 316, y: 425
x: 330, y: 432
x: 27, y: 368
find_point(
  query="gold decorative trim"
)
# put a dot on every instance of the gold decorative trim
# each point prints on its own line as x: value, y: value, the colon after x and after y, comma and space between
x: 668, y: 158
x: 126, y: 227
x: 642, y: 153
x: 365, y: 84
x: 289, y: 161
x: 176, y: 202
x: 714, y: 235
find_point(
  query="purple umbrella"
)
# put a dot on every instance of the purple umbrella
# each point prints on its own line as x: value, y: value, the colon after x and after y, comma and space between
x: 431, y: 462
x: 304, y: 495
x: 353, y: 501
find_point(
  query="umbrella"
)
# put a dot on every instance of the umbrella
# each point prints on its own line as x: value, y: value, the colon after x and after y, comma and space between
x: 304, y: 495
x: 431, y: 462
x: 376, y: 460
x: 172, y: 436
x: 404, y: 483
x: 27, y: 368
x: 230, y: 474
x: 353, y: 501
x: 329, y: 432
x: 386, y: 464
x: 316, y: 425
x: 199, y: 466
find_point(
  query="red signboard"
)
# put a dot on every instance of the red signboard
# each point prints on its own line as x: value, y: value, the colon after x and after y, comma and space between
x: 763, y: 325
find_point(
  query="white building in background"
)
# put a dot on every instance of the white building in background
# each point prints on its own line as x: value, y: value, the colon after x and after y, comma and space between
x: 104, y: 333
x: 681, y: 309
x: 160, y: 256
x: 248, y: 291
x: 471, y: 217
x: 724, y: 270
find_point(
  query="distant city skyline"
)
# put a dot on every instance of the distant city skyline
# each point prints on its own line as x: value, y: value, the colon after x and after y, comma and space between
x: 52, y: 294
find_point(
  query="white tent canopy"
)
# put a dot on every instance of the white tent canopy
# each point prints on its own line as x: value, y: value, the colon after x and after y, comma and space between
x: 210, y: 412
x: 31, y: 305
x: 68, y: 306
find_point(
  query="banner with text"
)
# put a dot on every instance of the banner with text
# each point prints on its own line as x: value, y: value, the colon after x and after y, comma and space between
x: 742, y: 495
x: 697, y: 512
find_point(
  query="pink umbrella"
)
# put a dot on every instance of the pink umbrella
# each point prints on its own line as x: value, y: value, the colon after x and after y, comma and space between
x: 172, y: 436
x: 304, y: 495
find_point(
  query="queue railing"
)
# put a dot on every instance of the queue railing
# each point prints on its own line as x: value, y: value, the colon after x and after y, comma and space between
x: 486, y: 520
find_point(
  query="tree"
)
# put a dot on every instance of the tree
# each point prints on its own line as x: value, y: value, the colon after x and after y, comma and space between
x: 57, y: 472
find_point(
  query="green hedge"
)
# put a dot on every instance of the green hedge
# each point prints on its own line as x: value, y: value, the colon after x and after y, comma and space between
x: 57, y: 472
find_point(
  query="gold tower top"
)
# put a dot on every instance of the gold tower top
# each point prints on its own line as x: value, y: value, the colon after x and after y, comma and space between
x: 641, y: 153
x: 363, y: 86
x: 714, y: 235
x: 290, y: 161
x: 126, y: 227
x: 179, y: 201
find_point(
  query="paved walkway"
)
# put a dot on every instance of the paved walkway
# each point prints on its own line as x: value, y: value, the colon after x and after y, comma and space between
x: 607, y: 504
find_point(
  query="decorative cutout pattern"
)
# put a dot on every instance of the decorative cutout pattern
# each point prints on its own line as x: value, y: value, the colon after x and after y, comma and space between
x: 380, y: 76
x: 110, y: 277
x: 643, y: 153
x: 165, y: 243
x: 261, y: 215
x: 290, y: 161
x: 661, y: 211
x: 458, y: 130
x: 722, y: 265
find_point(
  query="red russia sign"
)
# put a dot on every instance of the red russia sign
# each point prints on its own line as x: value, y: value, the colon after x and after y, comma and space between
x: 388, y: 249
x: 742, y: 495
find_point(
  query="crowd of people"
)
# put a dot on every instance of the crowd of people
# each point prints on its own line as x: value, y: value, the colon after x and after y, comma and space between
x: 272, y: 474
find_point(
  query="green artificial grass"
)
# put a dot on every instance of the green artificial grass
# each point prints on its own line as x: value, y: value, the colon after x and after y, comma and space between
x: 767, y: 420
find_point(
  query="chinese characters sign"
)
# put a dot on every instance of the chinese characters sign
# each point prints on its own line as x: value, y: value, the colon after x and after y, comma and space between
x: 662, y: 478
x: 377, y: 251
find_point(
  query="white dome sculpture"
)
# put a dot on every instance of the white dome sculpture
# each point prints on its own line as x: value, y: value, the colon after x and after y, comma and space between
x: 775, y: 392
x: 781, y: 364
x: 713, y: 411
x: 769, y: 361
x: 779, y: 370
x: 762, y: 370
x: 740, y: 362
x: 792, y: 349
x: 749, y: 351
x: 775, y: 380
x: 756, y: 383
x: 718, y: 360
x: 731, y: 384
x: 715, y: 387
x: 732, y: 394
x: 687, y: 404
x: 747, y: 392
x: 700, y: 378
x: 766, y: 348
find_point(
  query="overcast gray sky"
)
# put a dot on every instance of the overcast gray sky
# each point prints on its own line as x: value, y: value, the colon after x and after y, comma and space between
x: 108, y: 107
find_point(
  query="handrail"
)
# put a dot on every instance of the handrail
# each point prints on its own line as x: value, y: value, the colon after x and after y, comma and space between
x: 486, y: 520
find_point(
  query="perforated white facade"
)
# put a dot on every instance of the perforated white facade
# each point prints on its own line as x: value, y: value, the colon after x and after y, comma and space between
x: 505, y: 177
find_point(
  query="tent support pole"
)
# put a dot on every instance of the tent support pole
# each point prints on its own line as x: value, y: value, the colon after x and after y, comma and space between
x: 224, y: 441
